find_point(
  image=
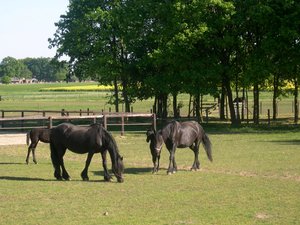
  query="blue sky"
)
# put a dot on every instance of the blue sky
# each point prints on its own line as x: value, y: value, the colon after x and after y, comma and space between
x: 26, y: 25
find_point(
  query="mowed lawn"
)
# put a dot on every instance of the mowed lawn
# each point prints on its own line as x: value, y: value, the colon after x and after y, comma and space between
x: 254, y: 179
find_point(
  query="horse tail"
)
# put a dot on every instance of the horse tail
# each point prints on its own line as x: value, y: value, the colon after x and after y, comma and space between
x: 27, y: 137
x: 207, y: 146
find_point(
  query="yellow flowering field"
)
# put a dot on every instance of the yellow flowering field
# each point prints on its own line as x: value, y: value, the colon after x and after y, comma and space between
x: 93, y: 87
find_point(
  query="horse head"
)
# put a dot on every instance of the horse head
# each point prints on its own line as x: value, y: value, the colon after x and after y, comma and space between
x: 156, y: 141
x: 118, y: 169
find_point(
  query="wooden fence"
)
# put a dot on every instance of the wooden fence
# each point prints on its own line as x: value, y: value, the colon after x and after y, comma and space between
x: 108, y: 119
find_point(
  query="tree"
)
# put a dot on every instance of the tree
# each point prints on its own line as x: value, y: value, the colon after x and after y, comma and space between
x: 11, y: 67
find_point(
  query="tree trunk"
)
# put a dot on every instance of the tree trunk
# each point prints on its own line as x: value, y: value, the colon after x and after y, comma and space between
x: 222, y: 102
x: 175, y: 108
x: 256, y: 104
x: 154, y: 107
x: 159, y: 106
x: 238, y: 119
x: 190, y: 103
x: 165, y: 106
x: 125, y: 95
x: 243, y: 105
x: 275, y: 96
x: 197, y: 102
x: 296, y: 106
x: 230, y: 101
x: 116, y: 94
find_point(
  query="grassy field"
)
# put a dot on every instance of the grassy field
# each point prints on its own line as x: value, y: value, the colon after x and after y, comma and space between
x: 30, y: 96
x: 254, y: 179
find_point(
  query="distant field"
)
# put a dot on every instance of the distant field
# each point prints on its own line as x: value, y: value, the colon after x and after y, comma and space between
x: 254, y: 179
x: 86, y: 96
x: 34, y: 96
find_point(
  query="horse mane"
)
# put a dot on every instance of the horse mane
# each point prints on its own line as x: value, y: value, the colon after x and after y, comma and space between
x: 111, y: 142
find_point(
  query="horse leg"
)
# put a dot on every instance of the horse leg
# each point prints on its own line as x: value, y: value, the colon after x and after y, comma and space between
x: 154, y: 164
x: 28, y: 153
x: 33, y: 155
x: 57, y: 162
x: 107, y: 177
x: 84, y: 173
x: 196, y: 164
x: 65, y: 174
x: 171, y: 160
x: 158, y: 158
x: 174, y: 165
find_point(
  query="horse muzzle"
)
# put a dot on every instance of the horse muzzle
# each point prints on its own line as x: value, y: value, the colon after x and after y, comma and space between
x: 120, y: 179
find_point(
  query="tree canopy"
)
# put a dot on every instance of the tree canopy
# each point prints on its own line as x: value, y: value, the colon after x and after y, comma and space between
x: 43, y: 69
x: 158, y: 49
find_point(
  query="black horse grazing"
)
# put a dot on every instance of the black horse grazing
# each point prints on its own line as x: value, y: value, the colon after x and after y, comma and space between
x: 36, y: 135
x: 91, y: 139
x: 152, y: 136
x: 181, y: 135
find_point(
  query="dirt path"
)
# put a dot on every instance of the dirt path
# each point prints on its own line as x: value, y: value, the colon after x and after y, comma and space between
x: 13, y: 139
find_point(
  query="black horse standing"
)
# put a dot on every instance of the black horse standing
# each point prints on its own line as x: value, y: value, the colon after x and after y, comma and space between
x: 35, y: 135
x: 181, y: 135
x: 152, y: 136
x: 91, y: 139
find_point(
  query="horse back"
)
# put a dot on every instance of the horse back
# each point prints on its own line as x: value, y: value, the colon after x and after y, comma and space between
x: 77, y: 139
x: 184, y: 134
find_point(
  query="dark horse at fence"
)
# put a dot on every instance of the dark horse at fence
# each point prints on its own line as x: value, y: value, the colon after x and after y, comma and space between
x: 35, y: 135
x: 181, y: 135
x: 92, y: 139
x: 152, y: 136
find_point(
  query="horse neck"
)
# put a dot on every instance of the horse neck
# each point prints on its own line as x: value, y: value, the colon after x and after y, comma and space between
x: 112, y: 149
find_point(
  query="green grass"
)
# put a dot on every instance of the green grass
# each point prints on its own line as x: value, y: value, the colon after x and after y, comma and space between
x: 254, y: 179
x: 29, y: 96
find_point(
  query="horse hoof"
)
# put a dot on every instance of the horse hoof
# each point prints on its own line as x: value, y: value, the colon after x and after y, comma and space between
x: 174, y: 171
x: 85, y: 179
x: 169, y: 173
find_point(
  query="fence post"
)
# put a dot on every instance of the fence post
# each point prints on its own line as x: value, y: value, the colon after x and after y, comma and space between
x: 206, y: 112
x: 50, y: 122
x: 105, y: 121
x: 269, y: 118
x: 2, y: 117
x: 122, y: 130
x: 154, y: 120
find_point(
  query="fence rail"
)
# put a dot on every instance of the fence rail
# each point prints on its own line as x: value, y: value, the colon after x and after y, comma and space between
x: 109, y: 119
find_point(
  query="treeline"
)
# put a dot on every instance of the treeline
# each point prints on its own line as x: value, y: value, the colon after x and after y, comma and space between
x: 158, y: 49
x: 42, y: 69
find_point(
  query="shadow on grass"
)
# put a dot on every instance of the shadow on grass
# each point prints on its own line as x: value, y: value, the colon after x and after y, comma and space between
x: 40, y: 179
x: 11, y: 163
x: 23, y: 178
x: 287, y: 142
x: 132, y: 170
